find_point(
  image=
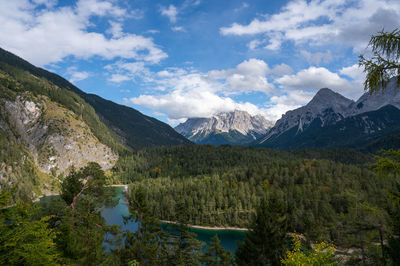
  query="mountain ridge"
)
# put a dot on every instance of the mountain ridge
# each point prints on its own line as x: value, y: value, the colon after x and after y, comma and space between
x: 328, y: 113
x: 136, y: 129
x: 234, y: 128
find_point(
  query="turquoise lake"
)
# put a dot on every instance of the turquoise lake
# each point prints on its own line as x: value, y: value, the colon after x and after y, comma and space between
x: 114, y: 215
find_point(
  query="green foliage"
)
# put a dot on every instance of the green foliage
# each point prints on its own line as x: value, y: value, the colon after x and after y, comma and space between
x: 117, y: 121
x: 221, y: 186
x: 215, y: 255
x: 82, y: 228
x: 322, y: 254
x: 23, y: 81
x: 18, y: 167
x: 388, y: 167
x: 25, y: 240
x: 146, y: 244
x: 384, y: 63
x: 265, y: 243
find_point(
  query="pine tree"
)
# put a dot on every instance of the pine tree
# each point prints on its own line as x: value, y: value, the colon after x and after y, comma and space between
x: 264, y: 244
x: 217, y: 255
x: 82, y: 229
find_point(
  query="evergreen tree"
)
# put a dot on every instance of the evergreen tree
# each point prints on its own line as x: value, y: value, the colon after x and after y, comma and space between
x: 25, y: 240
x: 384, y: 63
x: 145, y: 244
x: 188, y: 250
x: 82, y: 229
x: 216, y: 255
x: 265, y: 243
x: 388, y: 167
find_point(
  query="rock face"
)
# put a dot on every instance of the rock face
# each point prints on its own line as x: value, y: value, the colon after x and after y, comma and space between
x: 371, y: 102
x: 235, y: 128
x: 326, y: 106
x: 55, y: 136
x: 331, y: 120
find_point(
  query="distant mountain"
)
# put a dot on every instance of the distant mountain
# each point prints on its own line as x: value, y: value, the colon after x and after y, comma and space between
x: 234, y: 128
x: 135, y: 129
x: 330, y: 120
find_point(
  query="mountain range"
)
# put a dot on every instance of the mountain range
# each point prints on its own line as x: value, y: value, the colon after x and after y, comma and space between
x: 48, y: 127
x: 135, y: 129
x: 234, y: 128
x: 330, y: 120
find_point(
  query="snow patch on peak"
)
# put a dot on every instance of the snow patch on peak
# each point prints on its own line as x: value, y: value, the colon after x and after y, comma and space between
x: 238, y: 120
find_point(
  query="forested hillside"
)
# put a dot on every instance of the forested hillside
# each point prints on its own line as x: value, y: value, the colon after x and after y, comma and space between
x: 325, y: 194
x: 137, y: 130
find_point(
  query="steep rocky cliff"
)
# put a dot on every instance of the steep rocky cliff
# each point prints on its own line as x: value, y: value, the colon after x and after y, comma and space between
x: 55, y: 136
x: 45, y: 131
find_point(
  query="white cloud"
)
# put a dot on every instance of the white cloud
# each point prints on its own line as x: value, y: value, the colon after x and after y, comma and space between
x: 178, y: 28
x: 115, y: 29
x: 189, y: 93
x: 75, y: 75
x: 250, y: 75
x: 64, y: 31
x: 323, y: 22
x: 355, y: 72
x: 171, y: 12
x: 47, y: 3
x: 290, y: 100
x: 315, y: 78
x: 118, y: 78
x: 281, y: 69
x: 317, y: 58
x: 124, y: 71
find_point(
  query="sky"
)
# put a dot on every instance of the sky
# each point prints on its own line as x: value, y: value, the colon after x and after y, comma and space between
x: 194, y: 58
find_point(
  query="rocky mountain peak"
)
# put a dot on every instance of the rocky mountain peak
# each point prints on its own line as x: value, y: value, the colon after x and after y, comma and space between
x: 326, y: 98
x: 370, y: 102
x: 237, y: 121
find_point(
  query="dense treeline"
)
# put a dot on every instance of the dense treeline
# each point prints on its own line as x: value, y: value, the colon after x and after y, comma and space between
x: 193, y: 160
x: 222, y: 186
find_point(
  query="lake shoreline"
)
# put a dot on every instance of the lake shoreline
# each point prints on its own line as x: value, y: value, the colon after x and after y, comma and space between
x: 214, y: 228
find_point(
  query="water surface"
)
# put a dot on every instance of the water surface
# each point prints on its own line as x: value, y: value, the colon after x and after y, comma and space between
x: 113, y: 215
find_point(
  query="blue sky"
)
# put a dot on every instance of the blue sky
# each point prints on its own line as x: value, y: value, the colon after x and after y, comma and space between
x: 194, y: 58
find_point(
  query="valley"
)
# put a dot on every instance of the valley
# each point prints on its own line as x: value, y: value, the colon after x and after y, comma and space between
x: 199, y: 133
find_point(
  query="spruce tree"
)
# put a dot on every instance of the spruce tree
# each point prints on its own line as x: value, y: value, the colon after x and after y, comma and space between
x: 145, y: 244
x: 264, y: 244
x: 216, y: 255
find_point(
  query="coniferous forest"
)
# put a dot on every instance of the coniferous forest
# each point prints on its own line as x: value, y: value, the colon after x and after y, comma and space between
x: 338, y: 206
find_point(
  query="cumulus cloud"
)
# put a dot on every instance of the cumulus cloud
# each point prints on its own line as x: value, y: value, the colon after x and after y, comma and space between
x: 75, y: 75
x: 281, y: 69
x: 322, y: 22
x: 317, y: 58
x: 316, y: 78
x: 355, y: 72
x: 250, y: 75
x: 123, y: 71
x: 64, y: 31
x: 189, y: 93
x: 288, y: 100
x: 170, y: 12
